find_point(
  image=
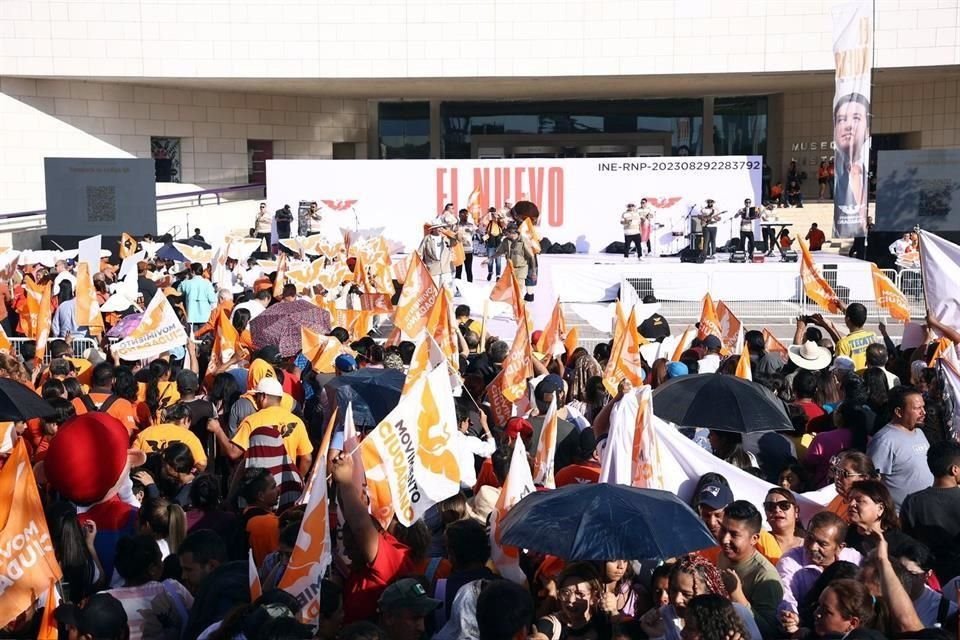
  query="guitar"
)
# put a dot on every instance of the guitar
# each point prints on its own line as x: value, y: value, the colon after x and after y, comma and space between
x: 713, y: 218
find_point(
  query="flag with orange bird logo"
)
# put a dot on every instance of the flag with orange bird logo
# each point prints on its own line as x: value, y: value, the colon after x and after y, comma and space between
x: 312, y: 552
x: 415, y: 445
x: 889, y: 296
x: 543, y: 460
x: 552, y: 336
x: 44, y: 319
x: 417, y: 298
x: 709, y: 322
x: 507, y: 289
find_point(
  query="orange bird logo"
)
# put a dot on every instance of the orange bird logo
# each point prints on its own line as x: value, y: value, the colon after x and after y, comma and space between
x: 339, y: 205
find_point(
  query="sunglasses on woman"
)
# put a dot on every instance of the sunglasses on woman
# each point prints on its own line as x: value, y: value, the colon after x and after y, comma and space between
x: 783, y: 505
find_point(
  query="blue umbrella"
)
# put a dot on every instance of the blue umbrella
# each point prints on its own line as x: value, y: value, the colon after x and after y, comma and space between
x: 605, y: 522
x: 373, y: 392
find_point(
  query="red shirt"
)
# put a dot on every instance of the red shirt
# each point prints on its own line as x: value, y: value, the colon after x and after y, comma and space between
x: 578, y: 474
x: 816, y: 238
x: 365, y: 584
x: 812, y: 411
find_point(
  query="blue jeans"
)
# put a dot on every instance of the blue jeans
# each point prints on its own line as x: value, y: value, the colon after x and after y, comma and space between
x: 491, y: 251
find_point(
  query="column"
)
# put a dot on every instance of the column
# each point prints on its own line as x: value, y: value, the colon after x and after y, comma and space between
x: 436, y: 145
x: 708, y: 126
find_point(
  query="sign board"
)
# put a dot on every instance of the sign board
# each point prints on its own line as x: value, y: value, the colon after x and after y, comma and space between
x: 580, y: 199
x: 106, y: 196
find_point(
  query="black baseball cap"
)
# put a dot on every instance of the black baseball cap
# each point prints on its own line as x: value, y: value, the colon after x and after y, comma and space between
x: 715, y: 495
x: 101, y: 617
x: 407, y: 593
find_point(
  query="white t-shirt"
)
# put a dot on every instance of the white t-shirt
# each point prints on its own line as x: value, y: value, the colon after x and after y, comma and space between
x: 255, y: 307
x: 709, y: 363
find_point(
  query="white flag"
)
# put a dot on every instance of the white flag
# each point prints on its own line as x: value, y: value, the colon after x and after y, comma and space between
x: 159, y: 331
x: 518, y: 483
x: 952, y: 376
x: 632, y: 455
x: 414, y: 447
x: 940, y: 267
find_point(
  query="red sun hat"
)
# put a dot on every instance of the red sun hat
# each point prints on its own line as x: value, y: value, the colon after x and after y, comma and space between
x: 87, y: 456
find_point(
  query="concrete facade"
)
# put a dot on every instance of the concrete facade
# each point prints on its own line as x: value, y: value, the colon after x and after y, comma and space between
x: 346, y: 39
x: 41, y: 118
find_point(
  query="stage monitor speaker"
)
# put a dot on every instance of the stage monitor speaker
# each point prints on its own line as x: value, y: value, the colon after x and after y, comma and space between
x: 789, y: 255
x: 738, y: 256
x: 693, y: 255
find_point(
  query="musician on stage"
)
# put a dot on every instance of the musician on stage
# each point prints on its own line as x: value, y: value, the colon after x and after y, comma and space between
x: 631, y: 221
x: 647, y: 215
x: 709, y: 217
x: 748, y: 215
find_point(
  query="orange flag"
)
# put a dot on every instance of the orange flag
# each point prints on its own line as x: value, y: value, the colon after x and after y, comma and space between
x: 572, y: 340
x: 518, y: 365
x: 731, y: 329
x: 320, y: 350
x: 360, y: 275
x: 29, y: 564
x: 543, y: 461
x: 88, y: 310
x: 619, y: 318
x: 416, y: 299
x: 684, y: 343
x: 48, y: 625
x: 475, y: 204
x: 551, y: 338
x: 743, y: 366
x: 500, y: 407
x: 816, y: 288
x: 281, y: 278
x: 442, y: 326
x: 128, y: 246
x: 393, y: 339
x: 625, y: 362
x: 772, y: 345
x: 227, y: 342
x: 312, y: 553
x: 5, y: 344
x: 507, y: 289
x: 942, y: 345
x: 888, y: 296
x: 322, y: 452
x: 255, y: 588
x: 28, y: 321
x: 44, y: 319
x: 531, y: 234
x: 709, y: 322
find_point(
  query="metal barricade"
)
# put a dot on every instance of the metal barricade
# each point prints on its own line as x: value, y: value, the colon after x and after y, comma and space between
x: 80, y: 346
x: 910, y: 283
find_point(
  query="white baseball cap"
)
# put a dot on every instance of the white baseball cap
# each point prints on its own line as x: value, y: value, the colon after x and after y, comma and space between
x: 270, y: 387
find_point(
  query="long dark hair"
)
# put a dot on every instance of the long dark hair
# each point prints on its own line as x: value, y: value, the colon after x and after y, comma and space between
x: 71, y: 550
x: 878, y: 492
x: 241, y: 318
x: 225, y: 391
x: 158, y: 368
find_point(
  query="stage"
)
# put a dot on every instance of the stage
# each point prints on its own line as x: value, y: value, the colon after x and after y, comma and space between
x: 592, y: 278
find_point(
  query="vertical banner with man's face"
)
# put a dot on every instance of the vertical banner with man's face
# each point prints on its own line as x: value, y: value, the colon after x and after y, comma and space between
x: 853, y: 57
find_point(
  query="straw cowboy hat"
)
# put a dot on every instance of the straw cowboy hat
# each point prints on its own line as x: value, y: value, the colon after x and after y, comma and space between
x: 810, y: 356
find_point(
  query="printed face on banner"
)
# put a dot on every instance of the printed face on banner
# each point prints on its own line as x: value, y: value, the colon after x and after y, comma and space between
x: 851, y: 128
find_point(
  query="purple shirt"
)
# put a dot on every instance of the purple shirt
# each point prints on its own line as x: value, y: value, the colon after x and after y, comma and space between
x: 825, y: 445
x: 798, y: 573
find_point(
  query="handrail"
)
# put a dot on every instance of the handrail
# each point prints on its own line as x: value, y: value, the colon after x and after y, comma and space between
x: 170, y: 196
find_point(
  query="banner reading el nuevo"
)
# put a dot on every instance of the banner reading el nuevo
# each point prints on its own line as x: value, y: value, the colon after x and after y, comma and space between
x: 853, y: 53
x: 580, y: 199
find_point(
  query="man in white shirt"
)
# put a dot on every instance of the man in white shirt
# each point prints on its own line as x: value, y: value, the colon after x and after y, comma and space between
x: 711, y: 361
x: 647, y: 216
x: 255, y: 306
x: 630, y: 220
x: 900, y: 246
x: 63, y: 273
x: 468, y: 447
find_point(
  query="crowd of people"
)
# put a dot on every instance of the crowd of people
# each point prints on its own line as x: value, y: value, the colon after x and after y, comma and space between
x: 163, y: 480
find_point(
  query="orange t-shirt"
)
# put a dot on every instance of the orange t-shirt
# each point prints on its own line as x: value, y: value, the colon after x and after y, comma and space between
x: 263, y: 535
x: 578, y: 474
x: 839, y: 506
x: 121, y: 409
x: 712, y: 554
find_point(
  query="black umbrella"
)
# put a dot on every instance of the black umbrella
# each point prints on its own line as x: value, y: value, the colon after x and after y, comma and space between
x: 19, y: 402
x: 605, y: 522
x: 720, y: 402
x: 374, y: 393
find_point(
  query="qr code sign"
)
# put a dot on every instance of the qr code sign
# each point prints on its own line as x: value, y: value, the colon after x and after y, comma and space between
x: 101, y: 204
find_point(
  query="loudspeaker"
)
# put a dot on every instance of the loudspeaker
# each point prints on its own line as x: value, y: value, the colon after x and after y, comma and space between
x: 738, y: 256
x: 789, y: 255
x: 692, y: 255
